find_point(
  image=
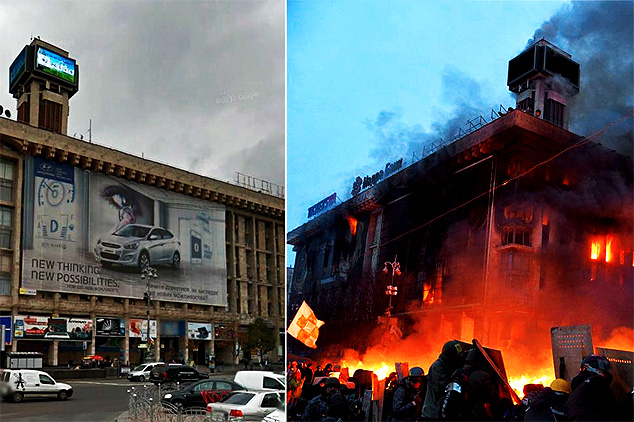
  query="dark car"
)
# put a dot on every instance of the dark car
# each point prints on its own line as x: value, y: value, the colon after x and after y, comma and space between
x: 199, y: 393
x: 175, y: 373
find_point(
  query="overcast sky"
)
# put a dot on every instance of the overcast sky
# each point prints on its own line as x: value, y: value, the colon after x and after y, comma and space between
x: 369, y: 85
x: 195, y: 84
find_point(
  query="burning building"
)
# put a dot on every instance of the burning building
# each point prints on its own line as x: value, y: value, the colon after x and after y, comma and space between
x: 516, y: 227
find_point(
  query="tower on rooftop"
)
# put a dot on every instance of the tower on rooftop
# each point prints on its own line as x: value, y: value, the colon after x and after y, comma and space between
x: 544, y: 78
x: 42, y: 79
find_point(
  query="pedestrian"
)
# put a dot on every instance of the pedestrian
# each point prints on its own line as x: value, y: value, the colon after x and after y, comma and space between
x: 317, y: 408
x: 212, y: 364
x: 409, y: 396
x: 550, y: 403
x: 591, y: 398
x: 292, y: 368
x: 310, y: 391
x: 439, y: 375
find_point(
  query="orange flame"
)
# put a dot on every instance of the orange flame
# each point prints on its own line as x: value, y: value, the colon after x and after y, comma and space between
x: 353, y: 224
x: 608, y: 248
x: 596, y: 250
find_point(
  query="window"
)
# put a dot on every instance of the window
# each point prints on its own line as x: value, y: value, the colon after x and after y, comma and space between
x: 7, y: 169
x: 517, y: 262
x: 224, y: 386
x: 50, y: 116
x: 516, y: 236
x: 272, y: 383
x: 554, y: 112
x: 45, y: 379
x: 270, y: 400
x: 6, y: 228
x: 204, y: 386
x: 5, y: 284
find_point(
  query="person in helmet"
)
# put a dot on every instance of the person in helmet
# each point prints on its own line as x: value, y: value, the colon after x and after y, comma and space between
x: 439, y: 375
x: 317, y: 408
x: 409, y: 396
x: 550, y: 403
x: 591, y: 398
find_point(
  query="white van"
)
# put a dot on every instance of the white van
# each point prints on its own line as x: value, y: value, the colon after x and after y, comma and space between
x: 142, y: 372
x: 261, y: 380
x: 15, y: 384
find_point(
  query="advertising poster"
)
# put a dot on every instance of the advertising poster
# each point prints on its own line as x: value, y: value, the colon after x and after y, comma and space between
x: 138, y: 328
x: 110, y: 327
x: 40, y: 328
x: 198, y: 331
x: 80, y: 329
x: 92, y: 234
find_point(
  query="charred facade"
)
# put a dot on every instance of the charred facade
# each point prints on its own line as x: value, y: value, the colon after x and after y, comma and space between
x: 514, y: 228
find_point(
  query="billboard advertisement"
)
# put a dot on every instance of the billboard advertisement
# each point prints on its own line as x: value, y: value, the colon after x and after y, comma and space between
x: 198, y: 331
x: 138, y: 328
x: 110, y: 327
x: 90, y: 233
x: 45, y: 328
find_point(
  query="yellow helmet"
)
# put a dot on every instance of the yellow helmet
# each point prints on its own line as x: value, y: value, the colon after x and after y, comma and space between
x: 560, y: 385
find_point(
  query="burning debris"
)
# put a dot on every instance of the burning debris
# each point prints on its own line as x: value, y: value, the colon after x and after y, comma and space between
x: 380, y: 391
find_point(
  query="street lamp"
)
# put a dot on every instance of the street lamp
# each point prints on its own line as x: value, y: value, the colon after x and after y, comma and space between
x: 392, y: 290
x: 148, y: 273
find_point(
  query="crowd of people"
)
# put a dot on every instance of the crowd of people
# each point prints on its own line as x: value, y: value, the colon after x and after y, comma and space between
x: 461, y: 385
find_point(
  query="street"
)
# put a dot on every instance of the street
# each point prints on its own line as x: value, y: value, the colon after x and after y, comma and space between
x: 98, y: 400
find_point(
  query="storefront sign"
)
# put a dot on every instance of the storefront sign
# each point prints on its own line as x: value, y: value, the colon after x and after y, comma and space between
x: 369, y: 181
x: 110, y: 327
x: 322, y: 205
x: 77, y: 223
x: 222, y: 332
x: 28, y: 292
x: 198, y: 331
x: 138, y: 328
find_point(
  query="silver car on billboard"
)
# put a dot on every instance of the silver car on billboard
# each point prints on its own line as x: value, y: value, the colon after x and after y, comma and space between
x: 139, y: 245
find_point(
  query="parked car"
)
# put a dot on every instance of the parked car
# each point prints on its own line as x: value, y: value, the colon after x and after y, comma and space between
x: 142, y: 372
x: 261, y: 380
x: 245, y: 406
x: 139, y: 245
x: 175, y: 373
x: 15, y: 384
x: 200, y: 393
x: 278, y: 415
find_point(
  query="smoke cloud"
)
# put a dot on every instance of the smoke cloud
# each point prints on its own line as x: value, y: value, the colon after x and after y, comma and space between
x: 599, y: 36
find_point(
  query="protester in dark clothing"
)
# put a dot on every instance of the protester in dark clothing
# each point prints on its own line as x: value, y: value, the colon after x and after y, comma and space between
x: 338, y: 409
x: 319, y: 372
x: 591, y: 398
x: 408, y: 397
x: 439, y: 375
x: 550, y: 403
x: 307, y: 374
x: 317, y: 408
x: 311, y: 391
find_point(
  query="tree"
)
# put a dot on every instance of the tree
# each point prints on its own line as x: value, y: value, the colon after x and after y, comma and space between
x: 260, y: 337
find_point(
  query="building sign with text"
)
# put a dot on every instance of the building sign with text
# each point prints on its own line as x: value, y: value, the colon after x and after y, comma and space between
x: 369, y: 181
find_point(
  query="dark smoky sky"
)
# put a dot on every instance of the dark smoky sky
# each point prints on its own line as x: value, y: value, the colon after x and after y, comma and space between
x: 195, y: 84
x: 599, y: 36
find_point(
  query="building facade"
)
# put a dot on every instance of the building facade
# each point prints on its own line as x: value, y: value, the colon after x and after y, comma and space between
x: 99, y: 248
x: 519, y: 226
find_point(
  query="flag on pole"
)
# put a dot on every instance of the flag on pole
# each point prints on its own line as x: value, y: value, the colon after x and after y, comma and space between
x: 305, y: 326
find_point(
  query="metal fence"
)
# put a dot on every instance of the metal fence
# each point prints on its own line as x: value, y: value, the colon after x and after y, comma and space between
x: 144, y: 405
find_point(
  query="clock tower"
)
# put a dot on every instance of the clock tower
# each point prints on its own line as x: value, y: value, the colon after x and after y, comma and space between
x: 42, y: 79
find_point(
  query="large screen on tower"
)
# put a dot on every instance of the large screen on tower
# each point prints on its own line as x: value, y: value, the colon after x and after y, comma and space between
x: 58, y: 66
